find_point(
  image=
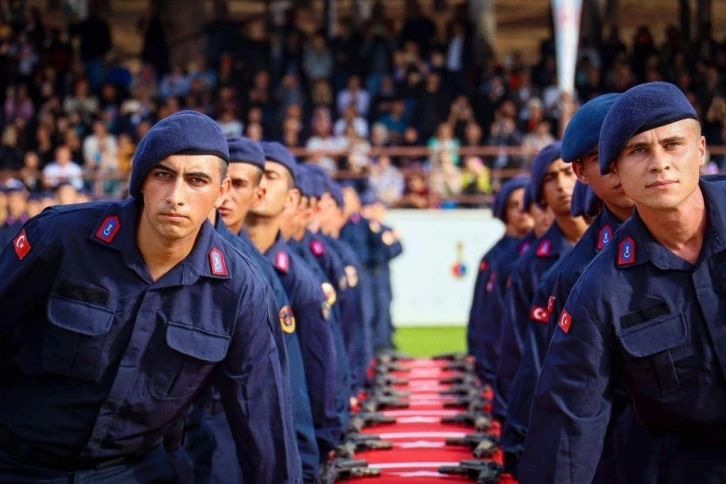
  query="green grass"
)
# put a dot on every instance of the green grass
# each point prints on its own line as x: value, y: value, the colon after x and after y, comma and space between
x: 430, y: 341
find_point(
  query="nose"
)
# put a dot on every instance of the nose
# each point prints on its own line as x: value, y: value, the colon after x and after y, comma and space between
x: 658, y: 160
x: 177, y: 193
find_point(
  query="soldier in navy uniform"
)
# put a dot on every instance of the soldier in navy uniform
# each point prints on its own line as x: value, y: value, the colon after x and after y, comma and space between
x: 121, y: 313
x: 483, y: 333
x: 551, y: 185
x: 657, y: 329
x: 17, y: 200
x: 310, y: 306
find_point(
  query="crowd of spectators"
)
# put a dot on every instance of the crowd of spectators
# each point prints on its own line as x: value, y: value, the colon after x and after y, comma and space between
x: 72, y: 110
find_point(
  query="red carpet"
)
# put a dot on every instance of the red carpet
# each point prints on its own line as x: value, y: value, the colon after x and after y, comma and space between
x: 418, y: 435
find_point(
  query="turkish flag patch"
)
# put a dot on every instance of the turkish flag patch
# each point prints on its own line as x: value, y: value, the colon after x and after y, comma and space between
x: 539, y: 314
x: 544, y: 249
x: 565, y: 321
x: 21, y: 244
x: 551, y: 304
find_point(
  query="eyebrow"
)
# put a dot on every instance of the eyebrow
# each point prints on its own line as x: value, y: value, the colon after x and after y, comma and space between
x: 193, y: 174
x: 645, y: 144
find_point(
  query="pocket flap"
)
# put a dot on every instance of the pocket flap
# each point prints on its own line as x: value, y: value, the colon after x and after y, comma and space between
x: 651, y: 338
x: 79, y: 316
x: 197, y: 343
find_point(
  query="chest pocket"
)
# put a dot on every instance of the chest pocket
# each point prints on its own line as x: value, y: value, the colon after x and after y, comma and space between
x: 187, y: 359
x: 73, y: 343
x: 649, y: 349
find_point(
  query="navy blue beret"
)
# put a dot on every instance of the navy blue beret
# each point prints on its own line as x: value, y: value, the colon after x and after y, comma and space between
x: 542, y: 161
x: 304, y: 180
x: 244, y: 150
x: 320, y: 180
x: 583, y: 131
x: 579, y: 199
x: 276, y: 152
x: 337, y: 193
x: 185, y: 132
x: 640, y: 108
x: 499, y: 208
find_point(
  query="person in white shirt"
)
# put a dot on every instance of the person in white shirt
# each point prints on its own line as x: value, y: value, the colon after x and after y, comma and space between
x: 356, y: 95
x: 63, y: 169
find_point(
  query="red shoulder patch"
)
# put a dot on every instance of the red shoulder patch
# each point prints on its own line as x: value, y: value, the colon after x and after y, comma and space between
x: 604, y: 237
x: 626, y: 252
x: 217, y: 264
x: 355, y: 218
x: 317, y: 248
x: 282, y: 262
x: 551, y: 304
x: 544, y: 248
x: 21, y: 244
x: 565, y: 322
x: 483, y: 265
x: 539, y: 314
x: 108, y: 229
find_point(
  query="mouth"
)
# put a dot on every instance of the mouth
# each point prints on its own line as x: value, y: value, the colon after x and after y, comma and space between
x: 661, y: 184
x: 223, y: 211
x: 565, y: 198
x: 619, y: 186
x: 173, y: 216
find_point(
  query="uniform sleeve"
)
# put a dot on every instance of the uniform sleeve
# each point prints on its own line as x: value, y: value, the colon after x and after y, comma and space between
x: 27, y: 269
x: 572, y: 402
x: 475, y: 310
x: 512, y: 339
x: 319, y: 356
x: 534, y: 348
x: 256, y: 396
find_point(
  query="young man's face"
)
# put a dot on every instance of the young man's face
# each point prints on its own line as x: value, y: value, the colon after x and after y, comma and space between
x: 558, y: 184
x: 607, y: 187
x: 659, y: 169
x: 519, y: 221
x: 276, y: 184
x: 180, y: 192
x: 244, y: 193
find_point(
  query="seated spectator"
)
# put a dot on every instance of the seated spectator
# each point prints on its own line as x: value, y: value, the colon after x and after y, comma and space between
x: 254, y: 132
x: 387, y: 182
x: 504, y: 135
x: 443, y: 143
x: 379, y: 136
x: 63, y: 170
x: 72, y: 140
x: 475, y: 179
x: 125, y: 154
x: 539, y: 138
x: 321, y: 95
x: 317, y: 59
x: 175, y: 83
x: 395, y: 120
x: 445, y: 178
x: 416, y: 194
x: 82, y: 102
x: 351, y: 118
x: 231, y: 126
x: 66, y: 194
x: 473, y: 134
x: 323, y: 141
x: 18, y: 104
x: 460, y: 115
x: 30, y: 173
x: 385, y: 98
x: 205, y: 75
x: 410, y: 140
x: 11, y: 156
x: 354, y: 94
x: 99, y: 149
x: 44, y: 145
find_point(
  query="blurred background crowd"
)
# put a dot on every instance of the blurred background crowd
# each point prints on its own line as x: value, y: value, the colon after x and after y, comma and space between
x: 404, y: 106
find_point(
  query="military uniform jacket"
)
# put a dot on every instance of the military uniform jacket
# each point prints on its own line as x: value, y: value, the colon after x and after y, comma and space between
x: 311, y: 314
x: 641, y: 314
x: 104, y: 359
x: 524, y: 280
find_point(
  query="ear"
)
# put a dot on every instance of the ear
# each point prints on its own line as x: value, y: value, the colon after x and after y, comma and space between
x: 258, y: 196
x: 702, y: 150
x: 223, y: 190
x: 293, y: 198
x: 580, y: 172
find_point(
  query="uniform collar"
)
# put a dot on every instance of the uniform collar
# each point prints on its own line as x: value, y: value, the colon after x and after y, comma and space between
x: 552, y: 243
x: 635, y: 235
x: 116, y: 229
